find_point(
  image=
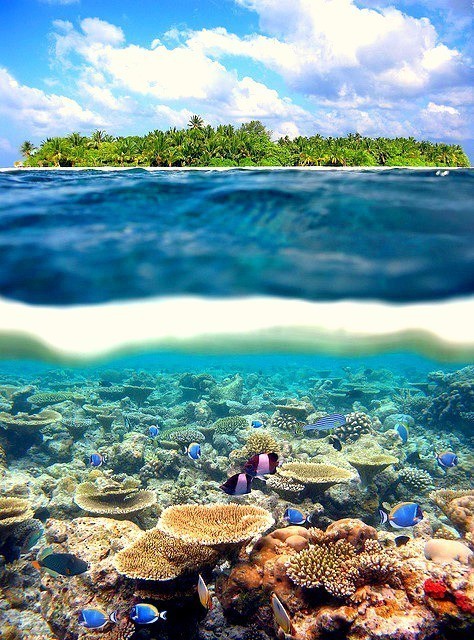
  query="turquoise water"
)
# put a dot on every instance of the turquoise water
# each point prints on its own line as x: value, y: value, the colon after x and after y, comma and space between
x: 75, y: 237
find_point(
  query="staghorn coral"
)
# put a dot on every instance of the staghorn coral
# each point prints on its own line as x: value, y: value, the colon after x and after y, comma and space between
x: 214, y: 524
x: 158, y: 556
x: 340, y: 569
x: 416, y: 479
x: 320, y: 476
x: 24, y: 423
x: 357, y: 424
x: 183, y: 436
x: 369, y: 463
x: 259, y: 442
x: 229, y: 425
x: 13, y: 511
x: 107, y: 497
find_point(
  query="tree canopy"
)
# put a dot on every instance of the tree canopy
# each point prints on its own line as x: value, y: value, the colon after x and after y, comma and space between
x: 250, y: 144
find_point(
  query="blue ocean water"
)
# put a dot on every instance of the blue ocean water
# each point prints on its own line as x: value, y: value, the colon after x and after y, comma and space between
x: 69, y: 237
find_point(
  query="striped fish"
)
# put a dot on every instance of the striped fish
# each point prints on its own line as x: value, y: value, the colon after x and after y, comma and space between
x: 326, y: 423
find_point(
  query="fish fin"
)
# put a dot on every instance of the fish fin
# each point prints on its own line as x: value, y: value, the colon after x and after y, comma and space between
x: 383, y: 516
x: 36, y: 564
x: 52, y: 573
x: 44, y: 553
x: 163, y: 615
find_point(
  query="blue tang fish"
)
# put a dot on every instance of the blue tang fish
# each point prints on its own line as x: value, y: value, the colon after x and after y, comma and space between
x: 97, y: 459
x: 402, y: 431
x: 95, y: 618
x: 153, y: 431
x: 194, y: 450
x: 146, y: 614
x: 326, y: 423
x: 404, y: 514
x: 447, y: 459
x: 237, y: 485
x: 256, y: 424
x: 294, y: 516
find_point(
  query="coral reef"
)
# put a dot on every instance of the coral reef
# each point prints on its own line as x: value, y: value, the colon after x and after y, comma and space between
x: 13, y: 511
x: 107, y: 497
x: 357, y: 424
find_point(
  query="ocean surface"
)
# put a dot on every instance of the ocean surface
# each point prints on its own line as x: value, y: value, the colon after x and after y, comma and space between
x: 77, y: 237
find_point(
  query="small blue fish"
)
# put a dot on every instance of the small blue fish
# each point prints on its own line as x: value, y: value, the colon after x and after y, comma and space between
x: 153, y: 431
x: 194, y: 450
x: 446, y: 460
x: 326, y: 423
x: 294, y: 516
x: 402, y: 431
x: 256, y: 424
x: 97, y: 459
x: 95, y: 618
x: 146, y: 614
x: 404, y: 514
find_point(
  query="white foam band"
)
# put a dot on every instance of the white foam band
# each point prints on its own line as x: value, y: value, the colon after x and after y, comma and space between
x: 443, y: 330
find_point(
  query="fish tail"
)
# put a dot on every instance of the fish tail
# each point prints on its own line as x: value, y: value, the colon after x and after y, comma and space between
x: 383, y: 516
x: 163, y: 615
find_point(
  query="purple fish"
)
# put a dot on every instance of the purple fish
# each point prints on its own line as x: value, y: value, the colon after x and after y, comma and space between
x: 237, y: 485
x: 261, y: 464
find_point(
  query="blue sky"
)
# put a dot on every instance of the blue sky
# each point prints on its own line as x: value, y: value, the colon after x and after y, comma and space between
x: 379, y: 67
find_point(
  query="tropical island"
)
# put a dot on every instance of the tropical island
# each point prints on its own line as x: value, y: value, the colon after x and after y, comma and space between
x: 248, y: 145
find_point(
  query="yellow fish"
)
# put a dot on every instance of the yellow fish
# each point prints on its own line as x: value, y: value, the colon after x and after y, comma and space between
x: 204, y: 595
x: 281, y: 616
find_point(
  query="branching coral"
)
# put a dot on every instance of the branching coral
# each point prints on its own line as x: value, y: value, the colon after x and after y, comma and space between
x: 158, y: 556
x: 183, y: 436
x: 416, y: 479
x: 340, y: 569
x: 284, y: 485
x: 259, y: 442
x: 214, y: 524
x: 286, y: 422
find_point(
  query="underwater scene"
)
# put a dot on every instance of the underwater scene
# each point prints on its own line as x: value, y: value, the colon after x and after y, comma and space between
x: 234, y: 490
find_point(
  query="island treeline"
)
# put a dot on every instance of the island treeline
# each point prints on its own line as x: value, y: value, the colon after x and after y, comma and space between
x: 248, y: 145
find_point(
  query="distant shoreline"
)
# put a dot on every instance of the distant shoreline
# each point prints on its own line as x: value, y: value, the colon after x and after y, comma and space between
x: 276, y: 168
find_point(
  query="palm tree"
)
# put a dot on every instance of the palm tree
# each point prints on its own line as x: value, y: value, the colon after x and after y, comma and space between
x: 75, y: 139
x: 27, y: 148
x: 196, y: 122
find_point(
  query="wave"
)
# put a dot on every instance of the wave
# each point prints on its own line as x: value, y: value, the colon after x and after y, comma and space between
x: 90, y: 333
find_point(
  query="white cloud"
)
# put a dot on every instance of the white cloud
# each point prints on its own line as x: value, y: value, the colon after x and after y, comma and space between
x: 41, y: 113
x: 6, y: 145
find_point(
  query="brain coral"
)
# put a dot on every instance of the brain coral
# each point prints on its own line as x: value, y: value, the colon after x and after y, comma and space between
x: 113, y: 498
x: 158, y: 556
x: 229, y: 425
x: 214, y: 524
x: 357, y: 423
x: 322, y: 476
x: 13, y: 511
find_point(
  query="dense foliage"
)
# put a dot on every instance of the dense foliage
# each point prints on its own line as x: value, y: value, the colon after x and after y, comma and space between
x: 226, y: 145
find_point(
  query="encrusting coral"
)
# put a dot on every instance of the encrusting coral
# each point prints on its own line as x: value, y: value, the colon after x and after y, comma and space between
x: 158, y: 556
x: 214, y: 524
x: 107, y: 497
x: 13, y: 511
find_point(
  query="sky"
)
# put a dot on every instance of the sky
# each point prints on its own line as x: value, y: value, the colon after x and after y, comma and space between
x: 378, y: 67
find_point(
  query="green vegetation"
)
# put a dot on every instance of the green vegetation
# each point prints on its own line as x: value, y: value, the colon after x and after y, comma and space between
x: 227, y: 146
